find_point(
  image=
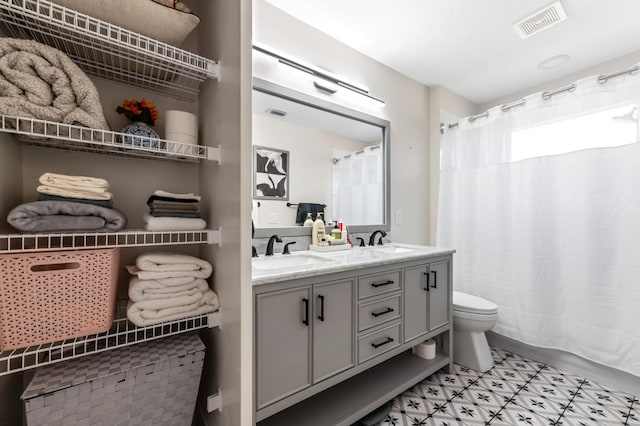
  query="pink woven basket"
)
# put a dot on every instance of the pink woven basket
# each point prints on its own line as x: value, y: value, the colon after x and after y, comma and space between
x: 52, y: 296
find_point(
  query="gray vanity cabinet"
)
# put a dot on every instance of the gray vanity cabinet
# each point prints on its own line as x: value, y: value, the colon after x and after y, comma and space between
x: 283, y: 344
x: 333, y: 324
x: 303, y: 336
x: 426, y: 298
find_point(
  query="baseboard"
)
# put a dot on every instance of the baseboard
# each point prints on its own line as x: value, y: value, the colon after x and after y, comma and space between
x: 574, y: 364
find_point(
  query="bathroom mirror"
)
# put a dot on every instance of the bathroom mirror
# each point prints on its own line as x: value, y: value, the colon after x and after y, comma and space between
x: 307, y: 150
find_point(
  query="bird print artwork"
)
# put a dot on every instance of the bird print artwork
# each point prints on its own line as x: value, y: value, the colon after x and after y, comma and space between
x: 271, y: 170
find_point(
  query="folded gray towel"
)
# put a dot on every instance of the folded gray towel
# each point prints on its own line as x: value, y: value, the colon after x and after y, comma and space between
x: 52, y: 216
x: 102, y: 203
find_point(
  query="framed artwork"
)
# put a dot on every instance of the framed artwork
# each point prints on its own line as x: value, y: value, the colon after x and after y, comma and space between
x: 270, y: 174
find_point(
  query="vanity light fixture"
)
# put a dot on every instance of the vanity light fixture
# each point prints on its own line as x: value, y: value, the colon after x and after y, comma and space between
x: 323, y: 80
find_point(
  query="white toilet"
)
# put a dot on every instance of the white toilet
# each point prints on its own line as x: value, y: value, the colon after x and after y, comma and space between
x: 472, y: 316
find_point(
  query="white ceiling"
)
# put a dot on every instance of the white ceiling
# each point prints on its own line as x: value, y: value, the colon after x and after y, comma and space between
x: 469, y: 46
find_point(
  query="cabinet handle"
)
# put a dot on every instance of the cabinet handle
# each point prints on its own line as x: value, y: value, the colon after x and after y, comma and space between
x: 377, y: 345
x: 435, y: 279
x: 381, y: 284
x: 427, y: 287
x: 386, y: 311
x: 305, y: 319
x: 321, y: 316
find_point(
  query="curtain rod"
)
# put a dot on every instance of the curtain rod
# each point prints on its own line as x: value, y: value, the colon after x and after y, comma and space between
x: 603, y: 78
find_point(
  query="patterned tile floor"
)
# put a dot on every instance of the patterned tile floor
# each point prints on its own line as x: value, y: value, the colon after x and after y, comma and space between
x: 516, y: 391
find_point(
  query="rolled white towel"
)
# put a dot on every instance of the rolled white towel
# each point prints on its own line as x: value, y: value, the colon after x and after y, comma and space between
x: 151, y: 312
x: 152, y: 223
x: 140, y: 290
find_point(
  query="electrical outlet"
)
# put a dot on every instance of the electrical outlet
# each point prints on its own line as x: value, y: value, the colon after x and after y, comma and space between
x: 274, y: 218
x: 398, y: 217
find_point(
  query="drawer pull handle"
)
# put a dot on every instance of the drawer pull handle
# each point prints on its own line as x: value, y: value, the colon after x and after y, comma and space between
x: 321, y: 316
x: 305, y: 319
x: 377, y: 314
x: 388, y: 282
x: 435, y: 279
x: 377, y: 345
x: 427, y: 287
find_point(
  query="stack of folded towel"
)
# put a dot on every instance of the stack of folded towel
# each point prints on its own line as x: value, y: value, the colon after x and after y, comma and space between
x: 173, y: 212
x: 167, y: 287
x: 68, y: 203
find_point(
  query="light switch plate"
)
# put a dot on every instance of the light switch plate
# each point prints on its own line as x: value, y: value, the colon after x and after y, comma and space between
x: 398, y: 217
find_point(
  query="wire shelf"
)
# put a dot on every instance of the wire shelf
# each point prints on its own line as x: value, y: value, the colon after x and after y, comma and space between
x: 77, y: 138
x: 122, y: 333
x: 104, y: 50
x: 27, y: 243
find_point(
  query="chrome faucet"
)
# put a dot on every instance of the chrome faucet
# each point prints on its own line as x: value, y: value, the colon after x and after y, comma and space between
x: 272, y: 239
x: 372, y: 238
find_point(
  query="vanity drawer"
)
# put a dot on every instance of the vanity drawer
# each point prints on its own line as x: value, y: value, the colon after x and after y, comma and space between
x: 378, y: 284
x: 377, y: 343
x: 381, y: 311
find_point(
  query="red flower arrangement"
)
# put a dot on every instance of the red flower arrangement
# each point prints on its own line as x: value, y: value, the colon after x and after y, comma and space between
x: 142, y: 110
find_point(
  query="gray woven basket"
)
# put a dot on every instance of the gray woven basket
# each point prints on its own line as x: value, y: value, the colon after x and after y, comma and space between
x: 152, y: 383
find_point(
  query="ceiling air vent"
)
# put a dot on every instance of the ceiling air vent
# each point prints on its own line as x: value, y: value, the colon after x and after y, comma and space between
x: 540, y: 20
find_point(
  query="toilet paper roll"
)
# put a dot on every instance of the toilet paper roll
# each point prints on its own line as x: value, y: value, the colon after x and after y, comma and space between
x: 425, y: 350
x: 181, y: 126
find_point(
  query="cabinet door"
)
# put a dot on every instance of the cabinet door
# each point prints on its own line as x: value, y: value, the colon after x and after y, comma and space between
x: 439, y: 294
x: 416, y: 299
x: 333, y: 328
x: 283, y: 343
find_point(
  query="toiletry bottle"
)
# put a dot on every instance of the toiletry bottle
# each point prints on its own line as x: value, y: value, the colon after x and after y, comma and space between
x: 336, y: 234
x: 308, y: 221
x: 318, y: 231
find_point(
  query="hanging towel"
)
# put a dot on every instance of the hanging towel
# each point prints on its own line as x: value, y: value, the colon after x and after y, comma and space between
x: 51, y: 216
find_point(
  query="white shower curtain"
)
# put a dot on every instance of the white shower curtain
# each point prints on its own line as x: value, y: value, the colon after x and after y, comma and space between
x: 553, y: 240
x: 358, y: 187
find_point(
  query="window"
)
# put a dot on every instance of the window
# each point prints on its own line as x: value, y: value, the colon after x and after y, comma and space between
x: 613, y: 127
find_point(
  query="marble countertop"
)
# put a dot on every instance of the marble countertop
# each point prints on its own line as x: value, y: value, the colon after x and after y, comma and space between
x: 302, y: 264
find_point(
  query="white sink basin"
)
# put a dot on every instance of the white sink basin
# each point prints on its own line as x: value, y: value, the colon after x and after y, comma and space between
x: 287, y: 261
x: 391, y: 249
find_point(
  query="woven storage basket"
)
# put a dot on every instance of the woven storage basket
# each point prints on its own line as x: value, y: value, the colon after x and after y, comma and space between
x: 46, y: 297
x: 153, y: 383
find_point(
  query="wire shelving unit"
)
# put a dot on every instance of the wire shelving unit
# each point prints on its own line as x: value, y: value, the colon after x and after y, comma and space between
x: 24, y: 243
x: 77, y: 138
x: 105, y: 50
x: 122, y: 333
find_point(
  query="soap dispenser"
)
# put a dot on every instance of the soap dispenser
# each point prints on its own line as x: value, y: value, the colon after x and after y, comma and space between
x: 317, y: 234
x: 308, y: 221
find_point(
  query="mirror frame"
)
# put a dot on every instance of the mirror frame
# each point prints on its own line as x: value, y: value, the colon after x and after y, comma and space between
x: 274, y: 89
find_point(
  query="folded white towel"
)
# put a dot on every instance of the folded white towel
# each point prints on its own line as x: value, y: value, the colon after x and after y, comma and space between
x: 189, y: 196
x: 74, y: 193
x: 173, y: 223
x: 151, y: 312
x: 172, y: 262
x: 140, y: 290
x: 68, y: 181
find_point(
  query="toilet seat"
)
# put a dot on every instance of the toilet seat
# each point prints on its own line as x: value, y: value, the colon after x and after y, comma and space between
x: 467, y: 303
